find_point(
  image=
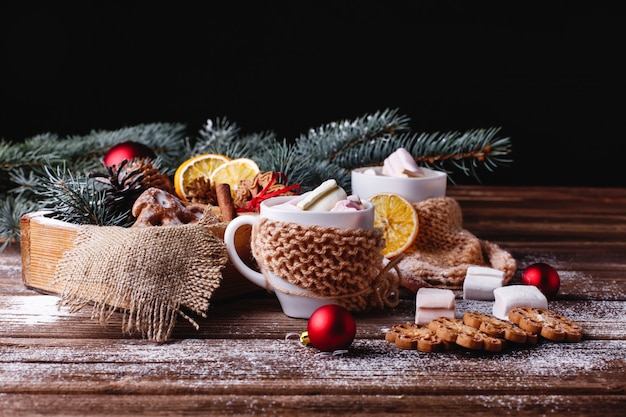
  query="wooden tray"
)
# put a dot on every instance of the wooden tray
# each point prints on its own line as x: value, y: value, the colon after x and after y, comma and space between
x: 44, y: 241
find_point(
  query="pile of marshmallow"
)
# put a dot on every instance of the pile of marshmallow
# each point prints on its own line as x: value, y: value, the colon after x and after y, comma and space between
x: 481, y: 283
x: 399, y: 164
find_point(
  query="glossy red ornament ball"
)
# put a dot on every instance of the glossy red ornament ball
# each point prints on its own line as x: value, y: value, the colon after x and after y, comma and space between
x: 544, y: 277
x: 128, y: 150
x: 331, y: 327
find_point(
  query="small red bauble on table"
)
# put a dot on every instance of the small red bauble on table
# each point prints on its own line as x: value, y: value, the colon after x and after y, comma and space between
x: 544, y: 277
x: 128, y: 150
x: 331, y: 327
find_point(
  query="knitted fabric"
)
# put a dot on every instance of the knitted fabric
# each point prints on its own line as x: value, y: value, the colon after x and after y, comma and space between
x: 150, y: 273
x: 443, y: 250
x: 344, y: 265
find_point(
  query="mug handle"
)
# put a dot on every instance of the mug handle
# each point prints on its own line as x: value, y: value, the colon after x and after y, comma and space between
x: 229, y: 238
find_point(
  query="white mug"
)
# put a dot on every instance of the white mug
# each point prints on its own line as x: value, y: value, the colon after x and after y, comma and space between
x: 368, y: 181
x: 292, y: 304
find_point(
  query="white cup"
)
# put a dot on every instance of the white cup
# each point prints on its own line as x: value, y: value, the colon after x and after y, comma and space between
x: 292, y: 304
x: 432, y: 184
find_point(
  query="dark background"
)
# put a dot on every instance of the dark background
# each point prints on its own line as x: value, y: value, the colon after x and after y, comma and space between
x: 551, y: 73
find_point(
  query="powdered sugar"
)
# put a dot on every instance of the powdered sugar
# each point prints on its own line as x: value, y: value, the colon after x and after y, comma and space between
x: 10, y: 264
x: 31, y: 310
x: 581, y: 282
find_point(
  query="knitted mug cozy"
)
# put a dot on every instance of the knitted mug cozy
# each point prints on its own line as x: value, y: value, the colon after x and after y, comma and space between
x: 443, y: 250
x: 343, y: 265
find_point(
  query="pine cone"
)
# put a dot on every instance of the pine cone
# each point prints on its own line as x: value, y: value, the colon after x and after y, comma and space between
x: 201, y: 191
x: 154, y: 178
x: 125, y: 183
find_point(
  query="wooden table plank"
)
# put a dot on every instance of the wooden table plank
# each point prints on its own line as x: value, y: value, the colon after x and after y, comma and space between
x: 313, y: 404
x: 259, y: 315
x: 278, y: 366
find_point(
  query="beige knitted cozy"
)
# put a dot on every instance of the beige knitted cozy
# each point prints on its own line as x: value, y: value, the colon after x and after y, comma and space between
x: 150, y: 273
x: 444, y: 250
x: 343, y: 265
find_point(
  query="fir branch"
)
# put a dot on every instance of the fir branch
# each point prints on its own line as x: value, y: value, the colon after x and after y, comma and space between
x: 77, y: 199
x: 462, y: 152
x: 284, y: 157
x: 225, y: 138
x: 11, y: 212
x: 326, y: 148
x: 28, y: 182
x: 452, y: 152
x: 334, y: 139
x: 32, y: 152
x: 214, y: 134
x: 84, y: 153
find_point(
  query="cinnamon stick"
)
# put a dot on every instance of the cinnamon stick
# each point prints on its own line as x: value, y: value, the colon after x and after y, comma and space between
x: 225, y: 202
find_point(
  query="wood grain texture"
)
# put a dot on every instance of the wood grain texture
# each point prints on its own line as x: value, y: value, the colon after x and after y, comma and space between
x: 245, y: 359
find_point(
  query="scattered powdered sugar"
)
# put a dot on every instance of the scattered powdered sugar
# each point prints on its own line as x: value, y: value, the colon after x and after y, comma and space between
x: 582, y: 283
x: 31, y: 310
x: 528, y: 260
x: 11, y: 268
x: 369, y: 363
x: 585, y: 284
x: 11, y: 264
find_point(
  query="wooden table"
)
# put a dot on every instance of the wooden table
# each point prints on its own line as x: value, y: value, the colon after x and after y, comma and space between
x: 240, y: 362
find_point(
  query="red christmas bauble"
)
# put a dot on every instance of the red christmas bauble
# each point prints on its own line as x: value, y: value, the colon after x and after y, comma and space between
x: 128, y: 150
x: 331, y: 327
x: 544, y: 277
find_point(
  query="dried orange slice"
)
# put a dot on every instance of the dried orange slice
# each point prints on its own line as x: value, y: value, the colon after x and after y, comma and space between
x: 398, y: 220
x: 194, y: 168
x: 234, y: 171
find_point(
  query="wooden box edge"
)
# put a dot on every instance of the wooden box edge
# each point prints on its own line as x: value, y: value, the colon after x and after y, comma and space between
x: 44, y: 240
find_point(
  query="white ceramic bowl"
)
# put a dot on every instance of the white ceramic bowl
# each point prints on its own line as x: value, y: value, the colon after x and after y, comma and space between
x: 432, y: 184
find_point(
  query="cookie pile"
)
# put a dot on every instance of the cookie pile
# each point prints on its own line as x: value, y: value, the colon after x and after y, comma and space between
x: 485, y: 332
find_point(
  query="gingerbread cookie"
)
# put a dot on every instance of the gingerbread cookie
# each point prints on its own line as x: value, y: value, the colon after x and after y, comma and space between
x: 415, y: 336
x: 549, y: 325
x: 499, y: 328
x: 155, y: 207
x: 455, y: 331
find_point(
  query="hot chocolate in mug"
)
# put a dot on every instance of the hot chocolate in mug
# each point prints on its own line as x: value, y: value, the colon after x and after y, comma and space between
x: 296, y: 301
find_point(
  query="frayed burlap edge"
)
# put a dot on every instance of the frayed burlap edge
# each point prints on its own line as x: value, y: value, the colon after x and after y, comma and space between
x: 151, y: 274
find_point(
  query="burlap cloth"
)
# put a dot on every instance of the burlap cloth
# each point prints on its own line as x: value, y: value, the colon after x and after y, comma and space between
x: 150, y: 273
x: 342, y: 265
x: 443, y: 250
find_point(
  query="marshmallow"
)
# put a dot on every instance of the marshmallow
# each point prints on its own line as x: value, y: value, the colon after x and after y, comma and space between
x: 480, y: 282
x: 370, y: 171
x: 432, y: 303
x: 346, y: 205
x: 509, y: 297
x: 322, y: 198
x: 401, y: 164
